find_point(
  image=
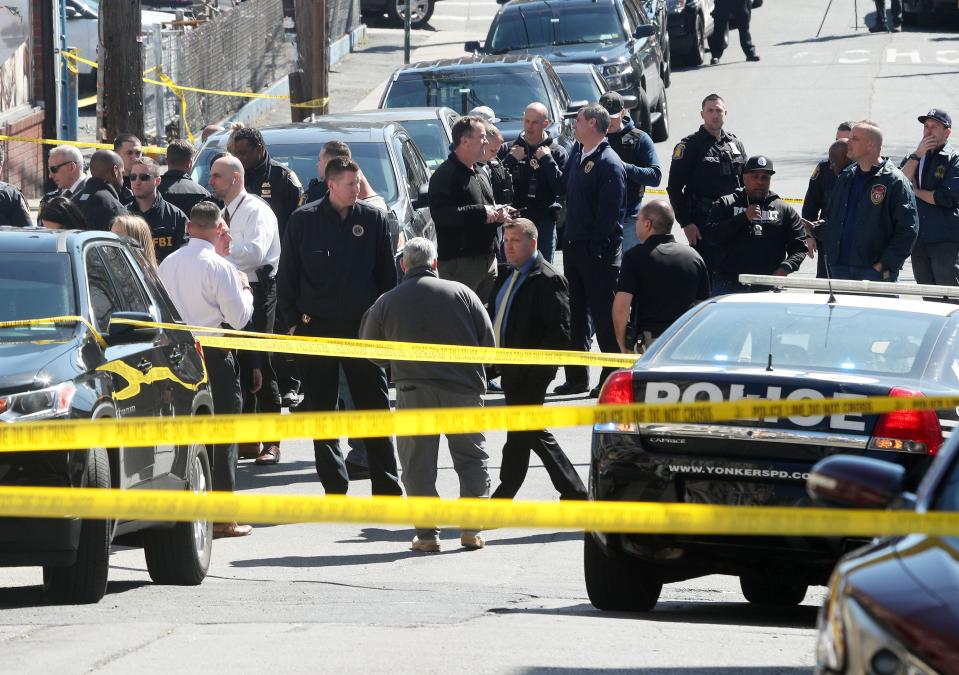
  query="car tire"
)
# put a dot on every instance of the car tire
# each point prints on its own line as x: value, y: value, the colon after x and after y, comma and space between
x: 667, y: 63
x: 180, y: 555
x: 397, y: 17
x: 642, y: 116
x: 660, y: 128
x: 768, y: 589
x: 697, y: 50
x: 85, y: 581
x: 616, y: 584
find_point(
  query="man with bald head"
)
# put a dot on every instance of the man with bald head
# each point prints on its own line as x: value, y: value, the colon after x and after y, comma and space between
x: 536, y: 161
x: 255, y: 250
x: 99, y: 199
x: 871, y: 222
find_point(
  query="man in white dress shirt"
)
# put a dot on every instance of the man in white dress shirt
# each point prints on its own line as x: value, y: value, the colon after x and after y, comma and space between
x: 255, y: 250
x: 208, y: 290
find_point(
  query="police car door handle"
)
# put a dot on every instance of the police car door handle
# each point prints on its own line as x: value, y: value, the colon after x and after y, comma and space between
x: 144, y: 366
x: 176, y: 356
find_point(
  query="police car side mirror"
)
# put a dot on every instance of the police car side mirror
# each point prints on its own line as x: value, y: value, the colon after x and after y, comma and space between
x: 644, y: 31
x: 124, y: 333
x: 573, y: 108
x: 473, y: 46
x: 856, y: 482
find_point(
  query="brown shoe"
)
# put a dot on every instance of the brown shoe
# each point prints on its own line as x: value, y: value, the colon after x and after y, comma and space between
x: 269, y: 456
x: 233, y: 529
x: 250, y: 450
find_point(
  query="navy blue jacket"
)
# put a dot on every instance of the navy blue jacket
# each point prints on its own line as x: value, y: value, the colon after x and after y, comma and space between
x: 940, y: 222
x: 636, y: 149
x: 821, y: 184
x: 595, y: 200
x: 886, y: 221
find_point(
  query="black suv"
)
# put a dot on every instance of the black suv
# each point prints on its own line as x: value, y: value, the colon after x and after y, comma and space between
x: 616, y: 35
x: 507, y: 84
x: 66, y: 371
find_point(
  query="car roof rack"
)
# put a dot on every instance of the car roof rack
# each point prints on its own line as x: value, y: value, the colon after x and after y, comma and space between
x: 850, y: 286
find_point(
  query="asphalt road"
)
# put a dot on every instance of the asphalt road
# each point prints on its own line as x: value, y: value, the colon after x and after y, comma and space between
x: 353, y: 598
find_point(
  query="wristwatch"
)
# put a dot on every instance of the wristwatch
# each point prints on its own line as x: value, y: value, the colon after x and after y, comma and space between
x: 914, y: 156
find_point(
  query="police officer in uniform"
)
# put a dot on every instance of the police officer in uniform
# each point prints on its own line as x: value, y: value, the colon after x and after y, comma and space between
x: 636, y: 149
x: 705, y: 166
x: 535, y: 162
x: 755, y: 230
x: 13, y: 207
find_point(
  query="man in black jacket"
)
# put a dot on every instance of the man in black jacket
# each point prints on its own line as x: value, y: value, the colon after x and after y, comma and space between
x: 13, y: 207
x: 176, y: 186
x: 99, y: 200
x: 536, y: 162
x: 755, y: 232
x: 335, y: 261
x: 463, y: 211
x: 167, y: 222
x: 265, y: 178
x: 530, y: 310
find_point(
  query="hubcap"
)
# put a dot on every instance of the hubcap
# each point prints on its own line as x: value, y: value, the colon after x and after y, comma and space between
x: 419, y: 8
x: 197, y: 482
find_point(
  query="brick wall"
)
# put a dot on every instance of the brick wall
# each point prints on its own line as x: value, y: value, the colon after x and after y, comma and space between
x: 24, y: 165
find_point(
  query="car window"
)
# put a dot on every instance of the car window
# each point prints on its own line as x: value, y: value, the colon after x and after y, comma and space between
x: 36, y: 286
x: 806, y: 337
x: 508, y: 93
x: 415, y: 175
x: 632, y: 16
x: 103, y: 296
x: 559, y: 87
x: 373, y: 158
x: 581, y: 86
x: 524, y: 27
x: 431, y: 140
x: 132, y: 296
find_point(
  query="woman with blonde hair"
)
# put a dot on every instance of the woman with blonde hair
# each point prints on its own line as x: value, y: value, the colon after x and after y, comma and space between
x: 137, y: 229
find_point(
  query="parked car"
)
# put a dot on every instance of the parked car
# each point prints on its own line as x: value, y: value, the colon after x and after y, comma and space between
x: 430, y: 128
x: 616, y: 35
x: 769, y: 345
x: 507, y: 84
x: 658, y: 13
x: 66, y: 371
x: 916, y: 12
x: 583, y: 81
x: 690, y: 23
x: 893, y: 607
x: 395, y: 10
x: 384, y: 151
x: 83, y: 31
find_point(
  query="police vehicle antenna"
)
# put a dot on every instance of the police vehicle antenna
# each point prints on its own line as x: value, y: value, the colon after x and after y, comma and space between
x: 769, y: 361
x: 825, y: 264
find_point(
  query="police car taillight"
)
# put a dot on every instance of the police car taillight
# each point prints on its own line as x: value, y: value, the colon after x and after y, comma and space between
x: 618, y: 388
x: 914, y: 431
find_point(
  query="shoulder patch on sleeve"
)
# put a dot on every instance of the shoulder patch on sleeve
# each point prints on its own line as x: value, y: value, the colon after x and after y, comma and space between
x: 815, y: 173
x: 679, y: 151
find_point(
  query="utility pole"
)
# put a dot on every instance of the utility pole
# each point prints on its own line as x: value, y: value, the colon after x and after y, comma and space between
x: 120, y: 75
x: 311, y: 81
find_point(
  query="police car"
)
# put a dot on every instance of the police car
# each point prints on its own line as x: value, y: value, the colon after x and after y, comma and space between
x: 767, y: 345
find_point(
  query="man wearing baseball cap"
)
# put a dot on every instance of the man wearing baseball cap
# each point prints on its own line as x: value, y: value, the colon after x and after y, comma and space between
x: 755, y: 232
x: 933, y: 170
x: 636, y: 149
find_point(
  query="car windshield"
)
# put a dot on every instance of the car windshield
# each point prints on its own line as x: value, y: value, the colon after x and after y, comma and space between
x: 581, y: 86
x: 431, y: 139
x: 549, y: 25
x: 507, y: 93
x: 36, y: 286
x: 805, y: 337
x: 373, y: 158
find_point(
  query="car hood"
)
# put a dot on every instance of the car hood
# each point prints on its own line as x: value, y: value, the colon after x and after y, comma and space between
x: 32, y: 365
x: 590, y: 52
x: 914, y: 592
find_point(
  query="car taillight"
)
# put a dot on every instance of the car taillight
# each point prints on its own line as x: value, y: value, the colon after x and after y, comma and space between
x: 199, y: 348
x: 618, y: 388
x: 915, y: 431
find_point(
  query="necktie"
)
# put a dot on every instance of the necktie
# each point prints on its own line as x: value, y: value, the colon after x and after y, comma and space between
x: 67, y: 194
x: 501, y: 310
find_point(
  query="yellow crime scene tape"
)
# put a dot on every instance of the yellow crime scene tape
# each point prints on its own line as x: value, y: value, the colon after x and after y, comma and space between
x: 659, y: 191
x: 625, y: 517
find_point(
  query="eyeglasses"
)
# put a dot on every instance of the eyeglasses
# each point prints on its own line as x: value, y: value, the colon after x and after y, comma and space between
x: 141, y: 176
x: 56, y: 167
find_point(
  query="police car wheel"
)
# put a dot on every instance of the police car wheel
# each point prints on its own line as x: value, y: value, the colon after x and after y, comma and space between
x: 617, y: 584
x: 85, y: 581
x: 180, y: 555
x: 769, y: 589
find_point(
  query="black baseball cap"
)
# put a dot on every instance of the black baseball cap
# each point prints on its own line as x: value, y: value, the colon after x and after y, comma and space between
x: 759, y: 163
x: 938, y: 115
x: 613, y: 103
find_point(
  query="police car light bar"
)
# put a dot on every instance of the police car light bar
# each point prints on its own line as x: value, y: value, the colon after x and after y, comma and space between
x: 849, y: 286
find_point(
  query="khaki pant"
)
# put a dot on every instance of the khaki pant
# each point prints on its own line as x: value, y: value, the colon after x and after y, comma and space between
x: 476, y: 271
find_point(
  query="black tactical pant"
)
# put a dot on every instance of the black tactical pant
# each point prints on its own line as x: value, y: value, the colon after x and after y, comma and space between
x: 895, y: 12
x: 740, y: 11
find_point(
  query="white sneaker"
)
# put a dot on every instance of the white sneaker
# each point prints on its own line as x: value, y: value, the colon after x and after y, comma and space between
x: 426, y: 545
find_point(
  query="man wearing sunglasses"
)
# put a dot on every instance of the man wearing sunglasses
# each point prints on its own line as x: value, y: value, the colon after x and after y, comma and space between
x: 65, y: 169
x: 167, y: 222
